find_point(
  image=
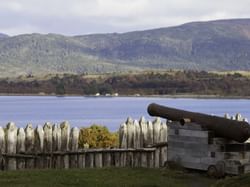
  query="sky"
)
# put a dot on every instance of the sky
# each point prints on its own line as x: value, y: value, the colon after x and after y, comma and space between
x: 78, y: 17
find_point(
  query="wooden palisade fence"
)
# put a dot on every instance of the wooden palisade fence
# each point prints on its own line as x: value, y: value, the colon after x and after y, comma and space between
x: 143, y: 134
x: 56, y: 146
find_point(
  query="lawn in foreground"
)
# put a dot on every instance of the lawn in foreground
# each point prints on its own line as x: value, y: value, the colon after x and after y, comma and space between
x: 236, y: 181
x: 104, y: 177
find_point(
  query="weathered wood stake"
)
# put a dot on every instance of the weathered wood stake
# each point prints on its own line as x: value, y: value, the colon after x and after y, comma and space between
x: 106, y: 159
x: 65, y: 132
x: 150, y: 137
x: 98, y: 160
x: 156, y: 129
x: 47, y: 145
x: 56, y: 138
x: 74, y: 136
x: 29, y: 145
x: 123, y: 135
x: 143, y: 160
x: 81, y: 160
x: 21, y: 148
x: 2, y: 148
x: 39, y: 144
x: 11, y: 142
x: 144, y: 129
x: 131, y: 133
x: 137, y: 139
x: 123, y: 159
x: 157, y: 157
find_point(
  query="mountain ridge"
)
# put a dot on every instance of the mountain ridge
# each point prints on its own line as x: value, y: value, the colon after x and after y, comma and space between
x: 213, y: 45
x: 2, y: 35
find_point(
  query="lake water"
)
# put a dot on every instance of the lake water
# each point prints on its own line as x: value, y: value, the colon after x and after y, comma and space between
x: 109, y: 111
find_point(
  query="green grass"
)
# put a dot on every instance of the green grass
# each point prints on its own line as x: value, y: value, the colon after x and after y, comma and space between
x: 103, y: 177
x: 237, y: 181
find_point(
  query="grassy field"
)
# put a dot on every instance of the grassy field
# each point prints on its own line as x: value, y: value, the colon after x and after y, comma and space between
x: 104, y: 177
x: 237, y: 181
x: 243, y: 73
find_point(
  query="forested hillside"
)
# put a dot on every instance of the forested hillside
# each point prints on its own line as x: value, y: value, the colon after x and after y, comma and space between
x: 214, y: 45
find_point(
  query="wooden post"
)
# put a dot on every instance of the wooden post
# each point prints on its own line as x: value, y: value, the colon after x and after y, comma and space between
x: 107, y: 159
x: 47, y: 145
x: 21, y: 148
x: 150, y: 137
x: 137, y: 139
x: 143, y: 159
x: 81, y: 160
x: 98, y: 159
x: 74, y: 136
x: 11, y: 142
x: 56, y: 138
x: 90, y: 159
x: 123, y: 133
x: 123, y: 159
x: 137, y: 144
x: 143, y: 126
x: 2, y: 148
x: 131, y: 133
x: 112, y: 157
x: 227, y: 116
x: 157, y: 157
x: 156, y: 129
x: 129, y: 159
x: 163, y: 132
x: 117, y: 159
x: 65, y: 132
x: 163, y: 156
x: 163, y: 138
x: 238, y: 117
x: 150, y: 159
x: 56, y: 145
x: 137, y: 159
x: 39, y: 144
x: 29, y: 145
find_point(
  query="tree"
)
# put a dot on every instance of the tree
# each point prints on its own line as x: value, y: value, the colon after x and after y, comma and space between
x: 60, y: 89
x: 97, y: 136
x: 105, y: 88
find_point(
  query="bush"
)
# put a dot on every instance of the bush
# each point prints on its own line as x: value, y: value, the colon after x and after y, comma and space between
x: 97, y: 136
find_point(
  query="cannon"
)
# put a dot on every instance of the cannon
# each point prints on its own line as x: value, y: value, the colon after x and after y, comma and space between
x: 221, y: 127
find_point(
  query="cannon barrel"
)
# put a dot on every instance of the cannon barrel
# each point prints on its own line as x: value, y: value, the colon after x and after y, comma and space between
x: 222, y: 127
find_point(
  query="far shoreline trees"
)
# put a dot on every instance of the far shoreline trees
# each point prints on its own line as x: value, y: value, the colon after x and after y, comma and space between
x: 144, y: 83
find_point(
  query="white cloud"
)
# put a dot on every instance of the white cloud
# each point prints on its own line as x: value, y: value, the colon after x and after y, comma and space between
x: 11, y: 5
x: 20, y: 29
x: 94, y: 16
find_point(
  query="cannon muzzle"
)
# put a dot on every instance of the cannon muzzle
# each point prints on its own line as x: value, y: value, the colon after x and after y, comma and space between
x: 222, y: 127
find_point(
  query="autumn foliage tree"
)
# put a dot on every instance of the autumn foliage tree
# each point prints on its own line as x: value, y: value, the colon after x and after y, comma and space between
x: 97, y: 136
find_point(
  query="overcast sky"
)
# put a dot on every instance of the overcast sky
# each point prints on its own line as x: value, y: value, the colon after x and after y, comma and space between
x: 77, y: 17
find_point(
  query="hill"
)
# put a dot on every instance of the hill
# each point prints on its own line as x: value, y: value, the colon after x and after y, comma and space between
x: 3, y: 35
x: 213, y: 45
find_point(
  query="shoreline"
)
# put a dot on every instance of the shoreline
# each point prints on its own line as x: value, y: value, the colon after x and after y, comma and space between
x: 178, y: 96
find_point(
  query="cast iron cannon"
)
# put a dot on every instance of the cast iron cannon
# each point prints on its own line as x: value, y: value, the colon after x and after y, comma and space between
x: 222, y: 127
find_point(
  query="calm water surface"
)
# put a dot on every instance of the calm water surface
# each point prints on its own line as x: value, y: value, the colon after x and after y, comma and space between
x: 109, y: 111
